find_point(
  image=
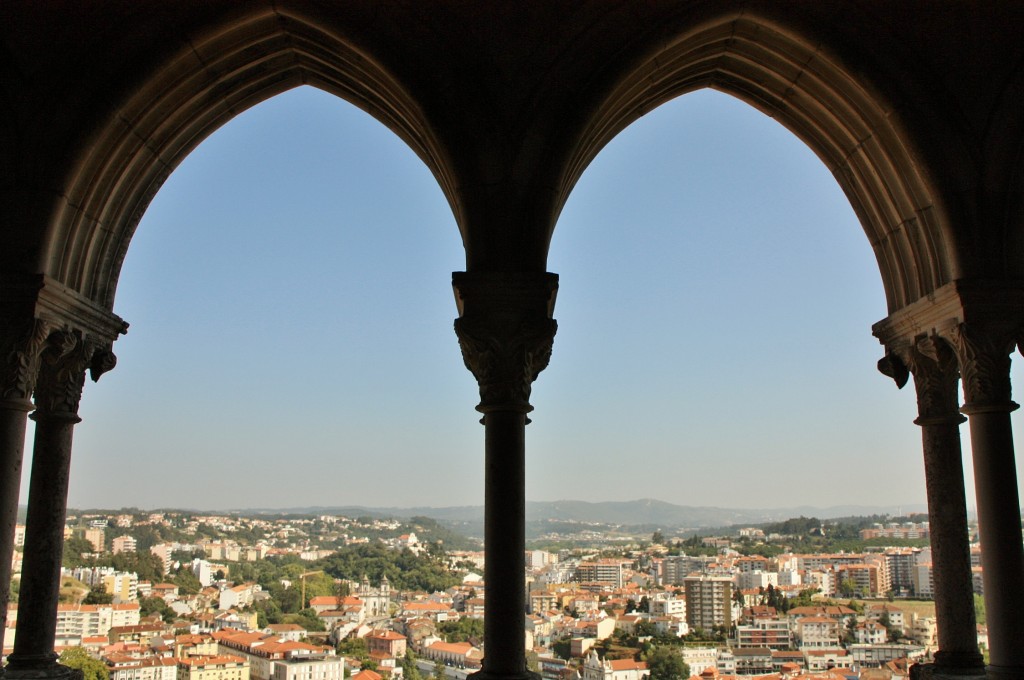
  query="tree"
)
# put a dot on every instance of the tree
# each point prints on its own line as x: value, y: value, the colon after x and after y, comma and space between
x: 666, y: 663
x: 644, y: 628
x: 354, y: 647
x: 410, y: 671
x: 657, y: 537
x: 847, y: 587
x: 92, y: 669
x: 148, y: 606
x: 74, y: 548
x: 187, y: 582
x: 462, y: 630
x: 439, y: 671
x: 306, y: 618
x: 98, y: 595
x: 562, y: 647
x: 850, y: 634
x: 979, y: 610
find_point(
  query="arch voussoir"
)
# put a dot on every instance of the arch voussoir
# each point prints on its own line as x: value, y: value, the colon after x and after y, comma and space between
x: 849, y: 126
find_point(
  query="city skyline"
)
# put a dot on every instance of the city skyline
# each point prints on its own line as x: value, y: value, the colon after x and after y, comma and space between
x: 290, y: 306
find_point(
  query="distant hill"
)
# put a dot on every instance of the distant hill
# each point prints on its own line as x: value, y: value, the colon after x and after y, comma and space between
x: 639, y: 512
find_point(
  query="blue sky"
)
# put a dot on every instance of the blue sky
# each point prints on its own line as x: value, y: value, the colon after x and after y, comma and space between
x: 291, y: 333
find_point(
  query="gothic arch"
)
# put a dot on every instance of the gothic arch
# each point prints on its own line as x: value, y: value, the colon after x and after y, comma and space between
x: 202, y: 87
x: 807, y: 89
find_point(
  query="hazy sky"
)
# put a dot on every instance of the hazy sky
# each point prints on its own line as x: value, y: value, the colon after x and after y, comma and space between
x: 291, y: 342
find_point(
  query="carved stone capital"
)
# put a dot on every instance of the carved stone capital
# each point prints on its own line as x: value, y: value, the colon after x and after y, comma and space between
x: 21, y: 346
x: 936, y: 377
x: 63, y: 362
x: 506, y: 333
x: 505, y: 361
x: 983, y: 353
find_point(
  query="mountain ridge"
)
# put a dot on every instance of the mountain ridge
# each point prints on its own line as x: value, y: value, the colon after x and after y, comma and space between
x: 644, y: 511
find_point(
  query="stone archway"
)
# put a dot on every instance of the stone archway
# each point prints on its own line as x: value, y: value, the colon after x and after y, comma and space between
x: 807, y: 89
x: 198, y: 90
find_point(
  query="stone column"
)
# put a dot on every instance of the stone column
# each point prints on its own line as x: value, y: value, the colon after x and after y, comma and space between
x: 19, y: 362
x: 505, y: 331
x: 983, y: 353
x: 58, y: 391
x: 936, y: 377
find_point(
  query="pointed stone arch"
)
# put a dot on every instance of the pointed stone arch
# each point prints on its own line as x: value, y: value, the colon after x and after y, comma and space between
x: 203, y: 86
x: 809, y: 91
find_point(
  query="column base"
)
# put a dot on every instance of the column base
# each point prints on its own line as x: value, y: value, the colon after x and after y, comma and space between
x: 959, y: 664
x: 1004, y: 672
x: 931, y: 671
x: 39, y: 667
x: 490, y: 675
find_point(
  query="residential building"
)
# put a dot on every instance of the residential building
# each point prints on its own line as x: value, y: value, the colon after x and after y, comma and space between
x: 700, y: 659
x: 753, y: 661
x: 900, y: 562
x: 123, y: 586
x: 923, y: 583
x: 769, y: 633
x: 708, y: 601
x: 869, y: 580
x: 818, y: 632
x: 224, y: 667
x: 96, y: 536
x: 309, y: 667
x: 122, y: 544
x: 460, y: 654
x: 594, y: 668
x: 238, y: 596
x: 609, y: 571
x: 387, y: 642
x: 133, y: 667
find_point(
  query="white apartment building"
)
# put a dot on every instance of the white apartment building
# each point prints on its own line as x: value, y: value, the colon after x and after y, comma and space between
x: 608, y: 571
x: 203, y: 571
x: 768, y: 633
x: 824, y: 581
x: 238, y: 596
x: 751, y: 580
x: 818, y: 632
x: 91, y: 620
x: 623, y: 669
x: 123, y: 544
x: 789, y: 577
x: 312, y: 667
x: 664, y: 604
x: 700, y: 659
x: 924, y: 586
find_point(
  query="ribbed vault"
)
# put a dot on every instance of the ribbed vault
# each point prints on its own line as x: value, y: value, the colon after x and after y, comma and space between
x: 204, y: 86
x: 807, y: 90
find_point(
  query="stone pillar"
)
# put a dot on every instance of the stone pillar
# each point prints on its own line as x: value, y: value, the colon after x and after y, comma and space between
x: 936, y: 377
x: 505, y: 331
x: 19, y: 362
x: 983, y: 353
x: 58, y: 391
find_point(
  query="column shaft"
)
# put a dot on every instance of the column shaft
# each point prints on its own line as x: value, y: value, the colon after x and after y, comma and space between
x: 951, y: 559
x: 44, y: 532
x: 995, y: 479
x: 13, y: 419
x: 505, y: 543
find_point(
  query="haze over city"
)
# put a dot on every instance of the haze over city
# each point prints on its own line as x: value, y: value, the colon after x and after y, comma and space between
x: 291, y: 336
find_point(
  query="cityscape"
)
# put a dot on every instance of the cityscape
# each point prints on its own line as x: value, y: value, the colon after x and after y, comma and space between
x: 186, y: 595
